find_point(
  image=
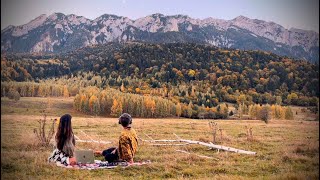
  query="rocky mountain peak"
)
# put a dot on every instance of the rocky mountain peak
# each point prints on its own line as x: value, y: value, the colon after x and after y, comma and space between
x: 58, y: 32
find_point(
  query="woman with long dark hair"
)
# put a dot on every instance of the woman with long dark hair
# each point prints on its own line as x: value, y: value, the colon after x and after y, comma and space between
x: 64, y: 151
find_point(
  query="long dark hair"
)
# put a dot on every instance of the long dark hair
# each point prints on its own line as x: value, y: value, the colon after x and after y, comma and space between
x: 64, y: 137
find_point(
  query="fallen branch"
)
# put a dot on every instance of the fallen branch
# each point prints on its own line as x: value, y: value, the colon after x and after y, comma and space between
x: 176, y: 136
x: 76, y: 137
x: 208, y: 157
x: 217, y: 146
x: 94, y: 141
x: 171, y: 144
x: 211, y: 145
x: 152, y: 140
x: 161, y: 140
x: 100, y: 142
x: 148, y: 136
x: 86, y: 135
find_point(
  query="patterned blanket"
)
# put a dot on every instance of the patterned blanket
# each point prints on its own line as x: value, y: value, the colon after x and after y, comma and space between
x: 105, y: 165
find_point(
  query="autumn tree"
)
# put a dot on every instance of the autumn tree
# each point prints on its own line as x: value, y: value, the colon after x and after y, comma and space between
x: 178, y: 110
x: 223, y: 109
x: 189, y: 109
x: 122, y: 88
x: 288, y: 113
x: 96, y: 108
x: 65, y: 91
x: 150, y: 105
x: 14, y: 94
x: 94, y: 105
x: 116, y: 109
x: 264, y: 114
x: 278, y: 100
x: 84, y: 103
x: 292, y: 98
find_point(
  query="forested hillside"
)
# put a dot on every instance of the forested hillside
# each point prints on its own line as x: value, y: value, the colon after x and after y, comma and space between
x: 204, y: 75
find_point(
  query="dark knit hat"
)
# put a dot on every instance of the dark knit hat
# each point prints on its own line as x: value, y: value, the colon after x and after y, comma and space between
x: 125, y: 120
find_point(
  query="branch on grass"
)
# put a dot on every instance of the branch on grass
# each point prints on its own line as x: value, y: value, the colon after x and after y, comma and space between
x: 211, y: 145
x: 170, y: 144
x: 161, y: 140
x: 202, y: 156
x: 86, y: 135
x: 225, y: 148
x: 148, y: 136
x: 91, y: 141
x: 153, y: 141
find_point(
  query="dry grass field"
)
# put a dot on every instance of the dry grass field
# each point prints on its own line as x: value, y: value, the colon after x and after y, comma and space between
x: 285, y: 149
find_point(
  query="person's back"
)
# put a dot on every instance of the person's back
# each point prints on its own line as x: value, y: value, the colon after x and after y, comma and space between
x: 64, y: 152
x: 128, y: 144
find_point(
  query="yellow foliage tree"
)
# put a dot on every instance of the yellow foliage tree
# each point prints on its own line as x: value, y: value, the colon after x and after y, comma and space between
x: 150, y: 104
x: 178, y: 110
x: 122, y: 88
x: 273, y: 111
x: 40, y: 91
x: 282, y: 112
x: 288, y: 113
x: 189, y: 109
x: 116, y: 108
x: 241, y: 99
x: 137, y: 90
x: 191, y: 73
x: 65, y: 91
x: 92, y: 101
x: 193, y: 94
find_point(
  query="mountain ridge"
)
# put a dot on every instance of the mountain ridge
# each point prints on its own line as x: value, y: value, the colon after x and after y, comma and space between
x: 59, y: 32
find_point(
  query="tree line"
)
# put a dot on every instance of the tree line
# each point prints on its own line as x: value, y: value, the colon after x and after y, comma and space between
x: 113, y: 102
x: 93, y: 100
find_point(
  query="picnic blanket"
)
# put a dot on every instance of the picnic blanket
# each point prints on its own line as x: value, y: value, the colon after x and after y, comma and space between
x: 105, y: 165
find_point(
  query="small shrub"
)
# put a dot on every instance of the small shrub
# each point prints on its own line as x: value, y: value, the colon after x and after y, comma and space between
x: 264, y: 114
x: 288, y: 113
x: 299, y: 150
x: 13, y: 94
x: 286, y: 159
x: 201, y: 115
x: 242, y: 135
x: 43, y: 136
x: 213, y: 126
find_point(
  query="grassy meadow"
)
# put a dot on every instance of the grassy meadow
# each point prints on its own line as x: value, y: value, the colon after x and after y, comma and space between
x: 286, y: 149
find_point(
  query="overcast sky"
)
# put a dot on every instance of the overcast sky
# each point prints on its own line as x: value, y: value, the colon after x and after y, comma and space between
x: 302, y: 14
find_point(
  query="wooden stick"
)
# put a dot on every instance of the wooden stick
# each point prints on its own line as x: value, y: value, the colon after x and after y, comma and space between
x: 198, y: 155
x: 77, y: 138
x: 170, y: 144
x: 100, y: 142
x: 211, y: 145
x: 161, y: 140
x: 219, y: 147
x: 148, y: 136
x: 87, y: 135
x: 176, y: 136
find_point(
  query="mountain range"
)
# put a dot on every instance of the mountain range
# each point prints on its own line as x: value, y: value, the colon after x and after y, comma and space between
x: 60, y: 33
